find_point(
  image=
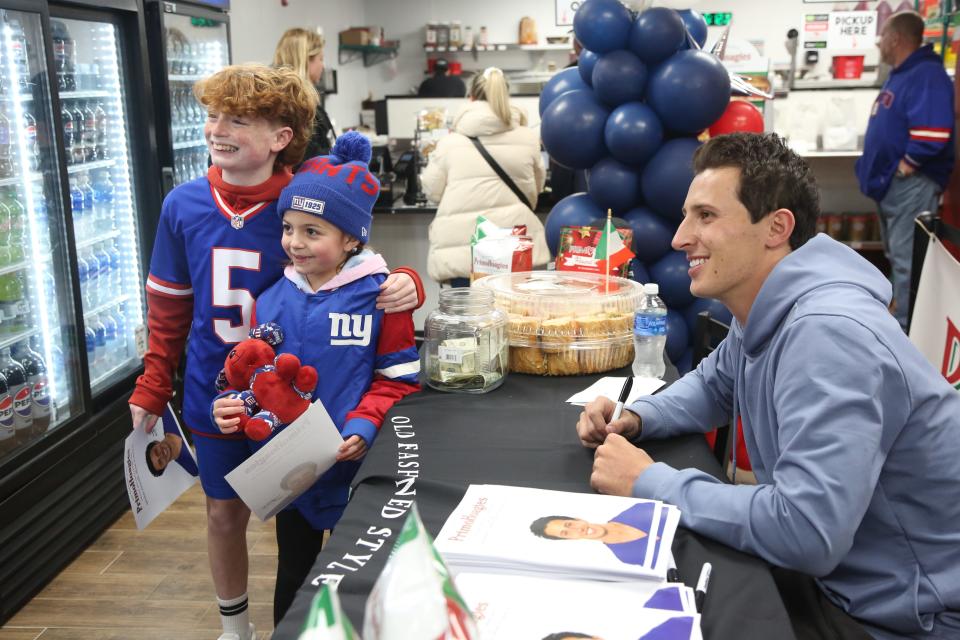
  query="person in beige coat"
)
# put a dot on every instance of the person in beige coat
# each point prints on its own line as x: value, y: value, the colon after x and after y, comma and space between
x: 465, y: 186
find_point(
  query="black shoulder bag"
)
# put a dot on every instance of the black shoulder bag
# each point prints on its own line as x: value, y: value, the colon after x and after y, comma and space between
x: 507, y: 180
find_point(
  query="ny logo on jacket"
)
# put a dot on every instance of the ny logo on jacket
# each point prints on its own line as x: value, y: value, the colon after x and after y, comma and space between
x: 350, y: 329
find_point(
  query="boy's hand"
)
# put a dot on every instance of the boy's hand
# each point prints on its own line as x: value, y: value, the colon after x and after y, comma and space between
x: 397, y: 293
x: 225, y: 407
x: 353, y: 448
x: 594, y: 425
x: 142, y: 418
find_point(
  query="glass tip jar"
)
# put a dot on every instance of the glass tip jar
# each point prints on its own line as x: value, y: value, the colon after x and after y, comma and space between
x: 465, y: 343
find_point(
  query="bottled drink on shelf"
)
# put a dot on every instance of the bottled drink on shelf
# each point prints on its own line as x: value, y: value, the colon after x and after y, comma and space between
x: 79, y: 133
x: 36, y: 370
x: 7, y: 144
x: 59, y: 31
x: 20, y: 393
x: 111, y: 358
x: 90, y: 340
x: 69, y: 131
x: 7, y: 429
x: 123, y: 338
x: 88, y: 289
x: 6, y: 255
x: 19, y: 58
x: 18, y: 222
x: 105, y: 279
x: 650, y: 334
x: 100, y: 365
x: 83, y: 180
x: 77, y: 208
x: 30, y: 136
x: 13, y: 303
x: 116, y: 275
x: 83, y: 275
x: 100, y: 116
x: 103, y: 195
x: 89, y: 132
x: 40, y: 214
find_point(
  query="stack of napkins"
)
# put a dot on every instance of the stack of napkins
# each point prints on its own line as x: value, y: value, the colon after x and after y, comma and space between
x: 500, y: 529
x: 510, y: 607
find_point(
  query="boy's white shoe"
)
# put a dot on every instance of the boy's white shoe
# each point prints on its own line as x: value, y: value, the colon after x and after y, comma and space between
x: 251, y: 634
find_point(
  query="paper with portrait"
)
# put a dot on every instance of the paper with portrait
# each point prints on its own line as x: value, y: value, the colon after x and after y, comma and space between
x: 157, y: 467
x: 288, y: 464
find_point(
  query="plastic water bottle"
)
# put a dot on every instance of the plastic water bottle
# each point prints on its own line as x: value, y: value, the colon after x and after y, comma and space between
x: 112, y: 358
x: 650, y: 334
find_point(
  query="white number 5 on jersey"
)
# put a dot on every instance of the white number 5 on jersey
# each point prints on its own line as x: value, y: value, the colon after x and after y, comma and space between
x: 225, y: 296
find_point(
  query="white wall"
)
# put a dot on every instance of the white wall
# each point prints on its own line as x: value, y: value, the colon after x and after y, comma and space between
x: 256, y: 26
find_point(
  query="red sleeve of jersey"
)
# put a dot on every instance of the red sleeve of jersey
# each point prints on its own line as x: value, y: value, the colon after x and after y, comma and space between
x: 168, y: 323
x: 395, y: 335
x: 417, y: 282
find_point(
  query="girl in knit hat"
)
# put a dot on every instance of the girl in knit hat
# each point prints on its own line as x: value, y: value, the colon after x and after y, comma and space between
x: 326, y: 304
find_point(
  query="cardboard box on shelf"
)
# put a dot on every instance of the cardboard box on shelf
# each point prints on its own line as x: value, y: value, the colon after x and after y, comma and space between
x: 355, y: 36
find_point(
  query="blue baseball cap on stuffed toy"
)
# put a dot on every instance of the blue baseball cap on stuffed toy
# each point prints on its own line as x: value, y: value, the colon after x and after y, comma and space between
x: 338, y: 188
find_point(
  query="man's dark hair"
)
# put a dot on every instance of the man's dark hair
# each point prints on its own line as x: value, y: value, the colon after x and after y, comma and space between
x: 772, y: 177
x: 539, y: 527
x: 566, y: 634
x: 441, y: 67
x: 156, y: 472
x: 908, y: 24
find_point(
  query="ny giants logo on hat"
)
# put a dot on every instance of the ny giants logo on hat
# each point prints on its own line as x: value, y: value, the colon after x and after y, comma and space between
x: 309, y: 205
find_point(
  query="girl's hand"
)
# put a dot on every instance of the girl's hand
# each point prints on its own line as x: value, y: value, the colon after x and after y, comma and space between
x: 353, y: 448
x: 223, y: 409
x: 397, y: 293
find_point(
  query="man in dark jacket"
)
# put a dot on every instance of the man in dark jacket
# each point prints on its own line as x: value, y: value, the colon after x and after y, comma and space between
x: 442, y: 84
x: 908, y: 149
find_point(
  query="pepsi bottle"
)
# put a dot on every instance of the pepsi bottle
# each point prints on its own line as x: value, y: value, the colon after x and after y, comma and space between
x: 36, y: 370
x: 21, y: 395
x: 7, y: 431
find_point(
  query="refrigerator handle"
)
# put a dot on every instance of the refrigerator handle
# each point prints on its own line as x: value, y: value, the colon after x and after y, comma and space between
x: 166, y: 180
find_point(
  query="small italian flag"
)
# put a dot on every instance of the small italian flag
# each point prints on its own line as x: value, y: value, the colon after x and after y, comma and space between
x: 610, y: 251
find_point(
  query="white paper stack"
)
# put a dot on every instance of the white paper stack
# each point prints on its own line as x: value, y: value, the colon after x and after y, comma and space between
x: 518, y: 530
x: 510, y: 607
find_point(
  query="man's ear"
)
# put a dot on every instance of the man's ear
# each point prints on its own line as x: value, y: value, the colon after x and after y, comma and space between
x: 281, y: 138
x: 781, y: 225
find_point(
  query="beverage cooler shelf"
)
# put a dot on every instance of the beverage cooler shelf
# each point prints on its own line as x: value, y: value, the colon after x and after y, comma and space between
x: 189, y: 144
x: 14, y: 338
x: 91, y: 166
x: 17, y: 180
x: 109, y: 373
x: 105, y: 306
x: 84, y: 95
x: 101, y: 237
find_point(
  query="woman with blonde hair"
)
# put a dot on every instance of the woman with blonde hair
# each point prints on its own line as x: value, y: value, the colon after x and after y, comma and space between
x: 466, y: 185
x: 302, y: 51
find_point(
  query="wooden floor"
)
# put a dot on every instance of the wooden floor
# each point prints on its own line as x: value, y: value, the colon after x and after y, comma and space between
x: 147, y: 585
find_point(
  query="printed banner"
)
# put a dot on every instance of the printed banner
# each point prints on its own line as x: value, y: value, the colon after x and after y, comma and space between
x: 935, y: 327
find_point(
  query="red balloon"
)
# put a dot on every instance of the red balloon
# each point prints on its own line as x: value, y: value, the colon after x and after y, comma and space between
x: 739, y: 116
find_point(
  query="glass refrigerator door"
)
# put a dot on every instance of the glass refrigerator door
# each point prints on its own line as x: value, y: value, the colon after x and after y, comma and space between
x: 196, y: 48
x: 38, y: 390
x: 102, y: 204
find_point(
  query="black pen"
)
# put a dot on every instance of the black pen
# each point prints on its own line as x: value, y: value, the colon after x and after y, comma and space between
x: 702, y: 584
x: 624, y: 393
x: 673, y: 574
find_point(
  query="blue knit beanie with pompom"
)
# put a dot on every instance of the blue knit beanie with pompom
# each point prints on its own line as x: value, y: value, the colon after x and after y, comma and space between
x: 338, y: 188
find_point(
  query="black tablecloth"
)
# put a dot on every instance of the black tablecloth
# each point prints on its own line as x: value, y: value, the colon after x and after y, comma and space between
x: 433, y: 445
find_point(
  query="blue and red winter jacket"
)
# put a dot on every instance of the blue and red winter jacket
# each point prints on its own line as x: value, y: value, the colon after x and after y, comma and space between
x: 912, y: 119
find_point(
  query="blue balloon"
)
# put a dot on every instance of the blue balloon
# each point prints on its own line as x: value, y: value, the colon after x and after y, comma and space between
x: 618, y: 77
x: 677, y: 338
x: 572, y: 129
x: 689, y: 91
x: 614, y: 185
x: 562, y: 82
x: 656, y: 34
x: 685, y: 363
x: 602, y: 25
x: 633, y: 133
x: 651, y: 234
x: 670, y: 272
x: 640, y: 273
x: 573, y: 211
x: 667, y: 177
x: 585, y: 62
x: 696, y: 25
x: 716, y: 308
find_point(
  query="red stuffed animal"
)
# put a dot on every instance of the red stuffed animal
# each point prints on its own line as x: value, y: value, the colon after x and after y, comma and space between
x: 275, y: 390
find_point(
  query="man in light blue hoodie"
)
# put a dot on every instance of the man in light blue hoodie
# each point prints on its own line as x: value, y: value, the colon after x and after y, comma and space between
x: 854, y: 437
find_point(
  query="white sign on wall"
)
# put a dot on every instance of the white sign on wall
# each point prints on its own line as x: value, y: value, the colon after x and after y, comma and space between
x: 565, y: 11
x: 852, y: 30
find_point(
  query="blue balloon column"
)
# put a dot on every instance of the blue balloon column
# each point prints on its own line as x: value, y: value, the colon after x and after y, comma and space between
x: 629, y: 114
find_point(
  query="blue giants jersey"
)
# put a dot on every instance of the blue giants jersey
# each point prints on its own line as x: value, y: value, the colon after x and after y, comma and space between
x: 224, y: 260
